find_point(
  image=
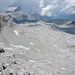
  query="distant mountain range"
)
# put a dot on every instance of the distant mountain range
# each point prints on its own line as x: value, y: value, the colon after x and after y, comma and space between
x: 19, y: 16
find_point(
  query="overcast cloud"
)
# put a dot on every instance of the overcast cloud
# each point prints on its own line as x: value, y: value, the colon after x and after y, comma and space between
x: 43, y: 7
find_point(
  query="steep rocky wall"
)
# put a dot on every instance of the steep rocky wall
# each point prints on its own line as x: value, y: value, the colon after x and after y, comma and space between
x: 5, y: 20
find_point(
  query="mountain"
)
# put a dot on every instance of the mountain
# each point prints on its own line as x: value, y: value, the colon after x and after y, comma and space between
x: 18, y: 9
x: 22, y: 17
x: 19, y: 16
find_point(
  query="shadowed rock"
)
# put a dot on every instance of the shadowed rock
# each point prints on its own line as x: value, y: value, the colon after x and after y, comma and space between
x: 1, y: 50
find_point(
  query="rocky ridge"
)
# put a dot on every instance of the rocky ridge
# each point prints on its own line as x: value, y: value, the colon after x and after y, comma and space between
x: 36, y: 48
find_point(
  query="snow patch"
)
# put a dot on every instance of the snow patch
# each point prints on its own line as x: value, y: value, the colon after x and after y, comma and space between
x: 70, y: 58
x: 20, y: 46
x: 16, y: 32
x: 7, y: 64
x: 63, y: 68
x: 31, y: 61
x: 9, y: 49
x: 31, y: 43
x: 0, y: 73
x: 55, y: 45
x: 11, y: 8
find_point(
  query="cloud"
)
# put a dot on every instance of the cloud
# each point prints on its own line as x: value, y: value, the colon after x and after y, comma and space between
x: 4, y: 4
x: 47, y: 10
x: 28, y: 6
x: 54, y: 1
x: 68, y: 7
x: 41, y: 3
x: 43, y: 7
x: 57, y: 7
x: 25, y: 5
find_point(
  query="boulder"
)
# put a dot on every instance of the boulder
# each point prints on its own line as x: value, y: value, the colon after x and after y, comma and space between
x: 2, y: 50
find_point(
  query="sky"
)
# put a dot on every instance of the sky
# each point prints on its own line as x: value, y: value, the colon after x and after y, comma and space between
x: 42, y: 7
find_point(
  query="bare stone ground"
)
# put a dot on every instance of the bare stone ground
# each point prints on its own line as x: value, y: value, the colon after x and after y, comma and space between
x: 37, y: 49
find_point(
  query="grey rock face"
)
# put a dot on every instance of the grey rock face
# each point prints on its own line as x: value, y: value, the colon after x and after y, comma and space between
x: 36, y: 48
x: 20, y: 17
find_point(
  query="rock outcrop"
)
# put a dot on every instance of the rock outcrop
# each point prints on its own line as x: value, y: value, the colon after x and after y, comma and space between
x: 2, y: 50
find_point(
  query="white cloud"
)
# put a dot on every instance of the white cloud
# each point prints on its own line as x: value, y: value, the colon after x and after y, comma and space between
x: 43, y: 7
x: 4, y: 4
x: 41, y: 3
x: 68, y: 7
x: 54, y: 1
x: 28, y: 6
x: 47, y: 10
